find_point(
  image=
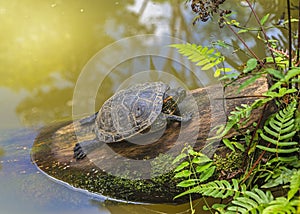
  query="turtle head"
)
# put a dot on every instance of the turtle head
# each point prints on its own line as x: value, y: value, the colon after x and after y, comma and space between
x: 172, y: 98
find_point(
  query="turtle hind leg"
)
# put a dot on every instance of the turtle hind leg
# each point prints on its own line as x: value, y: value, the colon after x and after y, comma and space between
x: 82, y: 149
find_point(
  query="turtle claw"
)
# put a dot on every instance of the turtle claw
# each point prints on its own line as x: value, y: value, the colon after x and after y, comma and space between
x: 78, y: 152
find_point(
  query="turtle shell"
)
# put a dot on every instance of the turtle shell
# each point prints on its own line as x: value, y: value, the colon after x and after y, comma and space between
x: 130, y: 111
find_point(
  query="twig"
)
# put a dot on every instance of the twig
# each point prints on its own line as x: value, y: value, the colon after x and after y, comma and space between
x: 255, y: 164
x: 250, y: 143
x: 262, y: 30
x: 246, y: 46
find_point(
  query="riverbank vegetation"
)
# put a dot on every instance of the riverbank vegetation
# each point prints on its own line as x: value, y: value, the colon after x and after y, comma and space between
x: 268, y: 179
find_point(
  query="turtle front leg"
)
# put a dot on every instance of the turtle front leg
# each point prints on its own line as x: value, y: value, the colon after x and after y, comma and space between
x: 85, y: 147
x: 183, y: 118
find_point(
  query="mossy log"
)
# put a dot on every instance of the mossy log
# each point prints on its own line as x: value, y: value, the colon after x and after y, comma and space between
x: 98, y: 172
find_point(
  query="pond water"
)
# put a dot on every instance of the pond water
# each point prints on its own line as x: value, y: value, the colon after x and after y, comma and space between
x: 44, y: 49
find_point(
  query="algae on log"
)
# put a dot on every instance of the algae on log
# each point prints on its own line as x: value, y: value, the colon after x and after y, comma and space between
x: 140, y: 173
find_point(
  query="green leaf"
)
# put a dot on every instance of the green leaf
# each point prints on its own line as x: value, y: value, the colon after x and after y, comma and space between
x: 182, y: 166
x: 283, y: 159
x: 295, y: 185
x: 192, y: 152
x: 207, y: 174
x: 219, y: 207
x: 292, y: 73
x: 266, y: 138
x: 216, y: 189
x: 221, y: 70
x: 208, y: 66
x: 253, y: 201
x: 247, y: 82
x: 239, y: 146
x: 228, y: 144
x: 242, y: 31
x: 201, y: 159
x: 195, y: 189
x: 221, y: 43
x: 179, y: 157
x: 271, y: 132
x: 283, y: 144
x: 229, y: 76
x: 264, y: 19
x: 204, y: 167
x: 289, y: 77
x: 276, y: 73
x: 183, y: 174
x: 251, y: 65
x: 203, y: 62
x: 205, y: 208
x: 217, y: 73
x: 187, y: 183
x: 276, y: 150
x: 281, y: 205
x: 287, y: 136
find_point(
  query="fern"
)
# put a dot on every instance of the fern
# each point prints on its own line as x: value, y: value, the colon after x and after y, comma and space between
x: 290, y: 77
x: 218, y: 189
x: 295, y: 185
x: 193, y: 170
x: 289, y: 204
x: 240, y: 116
x: 281, y: 205
x: 258, y: 201
x: 279, y: 131
x: 204, y: 57
x: 277, y: 176
x: 253, y: 201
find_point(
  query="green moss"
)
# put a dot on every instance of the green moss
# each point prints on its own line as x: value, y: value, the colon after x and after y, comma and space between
x: 161, y: 165
x: 232, y: 162
x: 158, y: 189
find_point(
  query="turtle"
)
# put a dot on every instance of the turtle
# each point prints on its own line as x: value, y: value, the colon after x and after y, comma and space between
x: 131, y: 111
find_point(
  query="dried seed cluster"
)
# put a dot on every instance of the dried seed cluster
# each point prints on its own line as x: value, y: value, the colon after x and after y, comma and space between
x: 205, y: 9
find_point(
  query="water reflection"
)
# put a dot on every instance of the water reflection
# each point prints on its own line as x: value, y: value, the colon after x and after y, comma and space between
x: 46, y: 44
x: 44, y: 39
x: 1, y: 155
x: 153, y: 208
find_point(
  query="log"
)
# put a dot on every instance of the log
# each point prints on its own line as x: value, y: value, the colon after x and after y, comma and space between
x: 142, y: 172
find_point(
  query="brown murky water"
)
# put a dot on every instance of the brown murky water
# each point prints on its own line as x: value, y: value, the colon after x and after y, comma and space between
x: 46, y: 46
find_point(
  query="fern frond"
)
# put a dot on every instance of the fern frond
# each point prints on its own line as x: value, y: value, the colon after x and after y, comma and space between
x: 281, y: 205
x: 194, y: 169
x: 279, y: 131
x: 253, y: 201
x: 217, y: 189
x: 203, y: 56
x: 289, y: 77
x: 240, y: 116
x: 286, y: 205
x: 278, y: 176
x: 295, y: 185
